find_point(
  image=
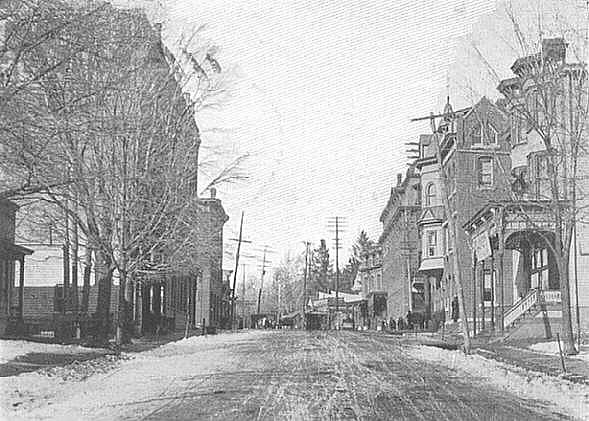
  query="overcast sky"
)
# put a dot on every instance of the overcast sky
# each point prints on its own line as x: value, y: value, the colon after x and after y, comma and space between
x: 322, y: 100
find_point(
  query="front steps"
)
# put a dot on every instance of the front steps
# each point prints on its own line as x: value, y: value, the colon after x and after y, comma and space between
x: 542, y: 321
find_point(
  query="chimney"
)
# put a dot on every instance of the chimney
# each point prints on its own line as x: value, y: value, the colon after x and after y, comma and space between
x: 213, y: 193
x: 399, y: 179
x: 554, y: 48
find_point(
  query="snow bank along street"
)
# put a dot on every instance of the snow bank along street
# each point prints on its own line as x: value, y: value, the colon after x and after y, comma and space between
x: 294, y: 375
x: 10, y: 349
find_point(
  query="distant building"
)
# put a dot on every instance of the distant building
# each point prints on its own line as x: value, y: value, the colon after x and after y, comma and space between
x: 373, y: 289
x: 400, y: 247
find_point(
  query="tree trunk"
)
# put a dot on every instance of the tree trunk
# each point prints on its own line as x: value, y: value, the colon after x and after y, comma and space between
x: 139, y: 308
x: 124, y: 312
x: 87, y: 274
x: 104, y: 271
x: 74, y: 262
x: 568, y: 340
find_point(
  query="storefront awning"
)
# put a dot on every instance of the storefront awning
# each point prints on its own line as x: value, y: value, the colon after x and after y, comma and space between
x: 436, y: 263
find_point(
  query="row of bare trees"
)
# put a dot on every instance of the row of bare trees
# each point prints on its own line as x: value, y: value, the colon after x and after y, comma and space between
x: 95, y: 124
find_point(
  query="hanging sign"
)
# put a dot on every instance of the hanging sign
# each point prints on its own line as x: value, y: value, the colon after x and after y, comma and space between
x: 482, y: 246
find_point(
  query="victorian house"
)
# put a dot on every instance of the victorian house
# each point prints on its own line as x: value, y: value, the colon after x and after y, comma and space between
x: 543, y: 220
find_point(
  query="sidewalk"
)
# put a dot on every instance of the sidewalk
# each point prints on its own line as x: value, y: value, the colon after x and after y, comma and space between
x: 519, y: 355
x: 577, y: 369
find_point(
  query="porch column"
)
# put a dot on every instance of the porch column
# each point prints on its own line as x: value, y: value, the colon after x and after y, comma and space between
x: 483, y: 294
x: 474, y: 294
x: 21, y: 289
x: 500, y: 275
x: 492, y: 289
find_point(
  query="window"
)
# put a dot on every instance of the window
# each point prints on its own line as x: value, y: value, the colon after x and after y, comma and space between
x: 536, y: 107
x: 430, y: 194
x: 432, y: 243
x: 519, y: 130
x: 477, y: 134
x: 488, y: 289
x: 485, y: 171
x: 542, y: 180
x: 493, y: 136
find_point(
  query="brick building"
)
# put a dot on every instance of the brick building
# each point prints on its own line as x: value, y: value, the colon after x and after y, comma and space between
x: 198, y: 292
x: 475, y: 155
x: 400, y: 247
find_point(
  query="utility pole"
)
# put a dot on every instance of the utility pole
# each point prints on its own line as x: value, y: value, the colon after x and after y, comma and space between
x: 262, y: 278
x: 243, y: 294
x: 239, y: 241
x: 336, y: 223
x: 437, y: 139
x: 307, y: 243
x: 336, y: 267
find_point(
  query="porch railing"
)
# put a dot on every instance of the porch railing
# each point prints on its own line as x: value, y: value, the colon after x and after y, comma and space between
x: 551, y: 296
x: 520, y: 307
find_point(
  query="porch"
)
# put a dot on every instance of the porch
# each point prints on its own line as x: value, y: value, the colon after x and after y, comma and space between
x: 514, y: 271
x: 11, y: 295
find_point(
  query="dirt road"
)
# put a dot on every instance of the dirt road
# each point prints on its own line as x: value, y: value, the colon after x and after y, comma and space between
x: 286, y: 375
x: 297, y: 375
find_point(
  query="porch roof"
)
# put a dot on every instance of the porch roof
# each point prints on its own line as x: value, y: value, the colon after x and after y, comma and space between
x: 13, y: 251
x: 488, y: 212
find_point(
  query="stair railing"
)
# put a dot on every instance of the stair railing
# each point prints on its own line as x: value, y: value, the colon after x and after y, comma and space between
x: 520, y: 307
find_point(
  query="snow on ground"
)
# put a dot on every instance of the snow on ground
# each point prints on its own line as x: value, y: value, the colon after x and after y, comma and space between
x: 552, y: 349
x: 566, y: 396
x: 10, y: 349
x: 110, y: 394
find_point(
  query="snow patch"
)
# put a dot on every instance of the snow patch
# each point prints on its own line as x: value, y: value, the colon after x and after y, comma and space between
x: 552, y: 349
x: 563, y: 395
x: 10, y: 349
x: 106, y: 389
